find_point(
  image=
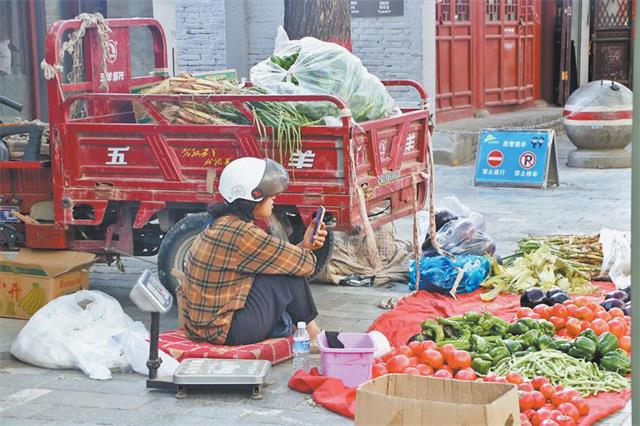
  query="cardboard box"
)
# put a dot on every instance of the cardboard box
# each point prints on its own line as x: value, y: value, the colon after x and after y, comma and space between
x: 36, y: 277
x: 402, y: 399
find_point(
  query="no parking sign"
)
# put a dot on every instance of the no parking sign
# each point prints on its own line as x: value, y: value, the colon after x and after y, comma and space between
x: 516, y: 158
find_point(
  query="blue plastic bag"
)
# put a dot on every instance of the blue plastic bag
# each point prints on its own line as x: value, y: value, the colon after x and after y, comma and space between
x: 439, y: 273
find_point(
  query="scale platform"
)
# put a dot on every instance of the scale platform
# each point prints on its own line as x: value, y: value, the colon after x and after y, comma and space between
x: 211, y: 374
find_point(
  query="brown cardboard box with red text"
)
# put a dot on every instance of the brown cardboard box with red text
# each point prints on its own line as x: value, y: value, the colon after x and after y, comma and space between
x: 404, y: 399
x: 35, y: 277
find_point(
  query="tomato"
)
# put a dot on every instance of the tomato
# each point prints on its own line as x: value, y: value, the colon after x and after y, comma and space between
x: 538, y: 399
x: 584, y: 313
x: 425, y: 369
x: 535, y: 316
x: 398, y: 363
x: 625, y: 343
x: 429, y: 344
x: 616, y: 313
x: 500, y: 379
x: 466, y: 374
x: 559, y: 310
x: 563, y: 420
x: 593, y: 307
x: 557, y: 322
x: 432, y: 358
x: 411, y: 370
x: 459, y: 360
x: 547, y: 390
x: 584, y: 325
x: 617, y: 327
x: 571, y: 310
x: 538, y: 381
x: 523, y: 312
x: 525, y: 401
x: 413, y: 361
x: 528, y: 413
x: 388, y: 356
x: 379, y: 370
x: 445, y: 350
x: 443, y: 374
x: 525, y: 387
x: 543, y: 310
x: 560, y: 397
x: 599, y: 326
x: 515, y: 378
x: 568, y: 409
x: 449, y: 369
x: 604, y: 315
x: 559, y: 388
x: 549, y: 422
x: 491, y: 377
x: 404, y: 350
x: 581, y: 301
x: 525, y: 423
x: 416, y: 347
x: 563, y: 333
x: 581, y: 404
x: 572, y: 393
x: 573, y: 326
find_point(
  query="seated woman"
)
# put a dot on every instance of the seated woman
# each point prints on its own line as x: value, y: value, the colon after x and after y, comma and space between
x: 244, y: 285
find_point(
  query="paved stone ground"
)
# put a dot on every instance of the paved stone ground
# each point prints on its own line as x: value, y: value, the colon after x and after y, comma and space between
x: 585, y: 201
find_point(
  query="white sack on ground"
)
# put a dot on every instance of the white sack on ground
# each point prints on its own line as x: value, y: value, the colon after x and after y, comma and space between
x: 87, y: 330
x: 616, y: 256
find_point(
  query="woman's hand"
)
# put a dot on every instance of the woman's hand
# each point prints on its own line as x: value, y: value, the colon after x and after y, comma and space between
x: 318, y: 240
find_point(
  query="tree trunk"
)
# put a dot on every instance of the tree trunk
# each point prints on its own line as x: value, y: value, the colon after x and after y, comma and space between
x: 328, y: 20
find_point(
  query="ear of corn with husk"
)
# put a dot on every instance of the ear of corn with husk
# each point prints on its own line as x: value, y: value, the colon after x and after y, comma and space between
x: 279, y: 119
x: 540, y: 268
x: 583, y: 252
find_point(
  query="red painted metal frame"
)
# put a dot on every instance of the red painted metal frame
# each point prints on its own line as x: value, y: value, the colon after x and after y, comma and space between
x: 161, y: 169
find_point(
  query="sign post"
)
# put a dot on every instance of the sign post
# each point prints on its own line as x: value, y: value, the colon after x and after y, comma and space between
x: 517, y: 158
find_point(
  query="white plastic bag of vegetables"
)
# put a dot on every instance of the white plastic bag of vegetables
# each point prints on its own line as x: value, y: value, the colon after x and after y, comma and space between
x: 312, y: 66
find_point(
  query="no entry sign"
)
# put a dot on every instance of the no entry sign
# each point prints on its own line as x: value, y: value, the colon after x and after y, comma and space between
x: 495, y: 158
x: 516, y: 158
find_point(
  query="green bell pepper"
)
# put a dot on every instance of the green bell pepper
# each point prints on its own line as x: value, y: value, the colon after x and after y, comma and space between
x: 480, y: 365
x: 590, y: 334
x: 479, y: 344
x: 616, y: 360
x: 544, y: 342
x: 458, y: 343
x: 584, y: 348
x: 433, y: 330
x: 472, y: 317
x: 530, y: 323
x: 530, y: 338
x: 518, y: 328
x: 546, y: 327
x: 498, y: 354
x: 562, y: 345
x: 513, y: 345
x: 607, y: 342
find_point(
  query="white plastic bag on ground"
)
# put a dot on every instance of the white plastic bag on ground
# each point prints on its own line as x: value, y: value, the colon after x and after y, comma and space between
x: 87, y: 330
x: 616, y: 256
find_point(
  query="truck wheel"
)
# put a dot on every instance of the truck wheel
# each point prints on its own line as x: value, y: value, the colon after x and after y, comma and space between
x: 176, y: 244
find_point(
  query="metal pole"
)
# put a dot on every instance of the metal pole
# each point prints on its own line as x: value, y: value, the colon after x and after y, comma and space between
x: 635, y: 218
x: 154, y: 361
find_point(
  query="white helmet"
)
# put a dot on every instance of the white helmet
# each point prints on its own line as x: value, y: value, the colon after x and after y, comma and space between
x: 252, y: 179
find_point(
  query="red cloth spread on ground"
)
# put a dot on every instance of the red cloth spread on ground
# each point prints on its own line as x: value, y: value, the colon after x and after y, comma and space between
x: 329, y: 392
x: 176, y: 344
x: 403, y: 322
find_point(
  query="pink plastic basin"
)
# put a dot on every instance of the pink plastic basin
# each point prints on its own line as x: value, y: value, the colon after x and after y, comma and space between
x: 353, y: 363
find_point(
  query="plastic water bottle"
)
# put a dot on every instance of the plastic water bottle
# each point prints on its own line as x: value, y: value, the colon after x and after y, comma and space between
x: 301, y: 347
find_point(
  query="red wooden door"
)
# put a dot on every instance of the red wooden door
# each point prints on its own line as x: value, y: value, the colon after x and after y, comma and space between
x: 488, y: 55
x: 454, y: 50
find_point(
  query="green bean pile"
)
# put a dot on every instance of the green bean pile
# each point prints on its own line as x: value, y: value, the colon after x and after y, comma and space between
x: 563, y: 369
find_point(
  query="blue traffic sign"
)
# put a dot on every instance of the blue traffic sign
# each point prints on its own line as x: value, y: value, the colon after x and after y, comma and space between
x: 516, y: 158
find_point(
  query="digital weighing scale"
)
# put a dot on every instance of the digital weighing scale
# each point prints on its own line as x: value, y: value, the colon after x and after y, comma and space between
x: 193, y: 373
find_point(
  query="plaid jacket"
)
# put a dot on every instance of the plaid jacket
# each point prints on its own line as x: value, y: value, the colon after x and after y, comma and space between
x: 220, y: 268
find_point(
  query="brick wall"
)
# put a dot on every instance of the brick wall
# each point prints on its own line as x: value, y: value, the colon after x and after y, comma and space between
x: 263, y: 18
x: 391, y: 47
x: 200, y: 35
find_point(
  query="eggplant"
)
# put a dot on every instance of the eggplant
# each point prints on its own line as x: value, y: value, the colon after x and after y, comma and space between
x: 617, y: 294
x: 533, y: 297
x: 557, y: 298
x: 555, y: 290
x: 612, y: 303
x: 627, y: 309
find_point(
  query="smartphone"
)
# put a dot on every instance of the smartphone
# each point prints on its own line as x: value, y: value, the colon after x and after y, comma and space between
x: 319, y: 218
